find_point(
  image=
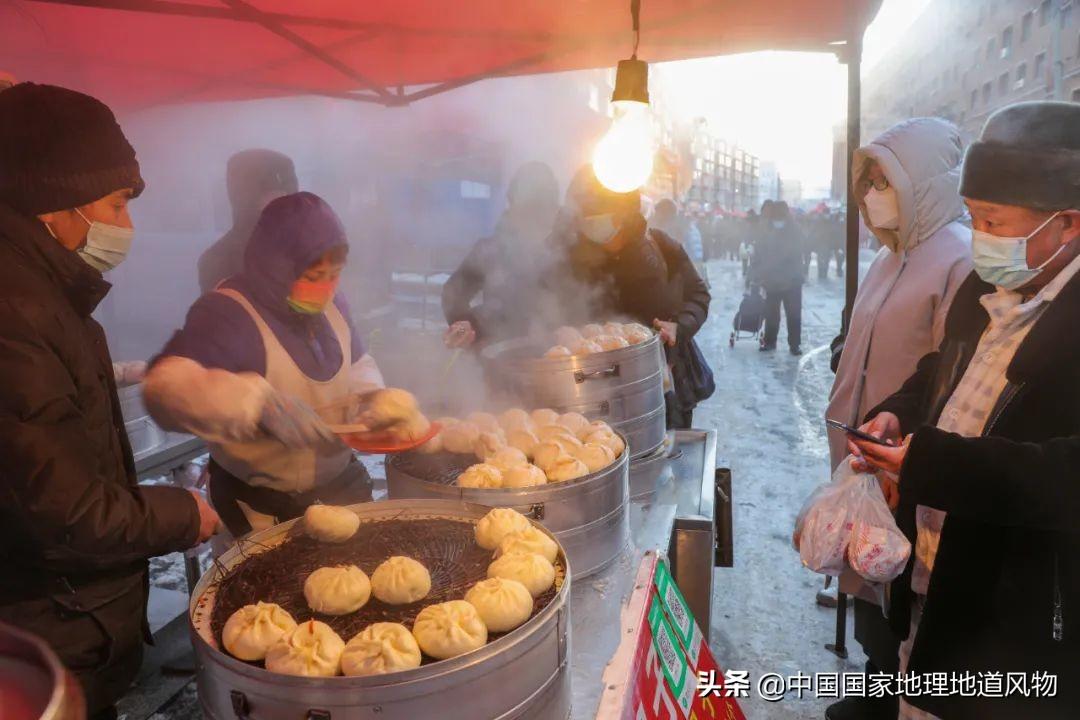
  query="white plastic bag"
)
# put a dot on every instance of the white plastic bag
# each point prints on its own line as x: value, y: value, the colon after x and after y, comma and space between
x: 878, y: 551
x: 848, y: 521
x: 822, y: 529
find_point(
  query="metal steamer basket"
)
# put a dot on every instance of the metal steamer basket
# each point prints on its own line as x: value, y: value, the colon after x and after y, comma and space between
x: 522, y: 675
x: 589, y: 515
x: 623, y: 387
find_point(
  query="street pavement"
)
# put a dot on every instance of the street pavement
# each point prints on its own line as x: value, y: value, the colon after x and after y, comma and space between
x: 768, y: 412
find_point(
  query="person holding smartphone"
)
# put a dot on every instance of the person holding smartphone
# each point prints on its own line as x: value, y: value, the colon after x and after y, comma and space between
x: 985, y: 436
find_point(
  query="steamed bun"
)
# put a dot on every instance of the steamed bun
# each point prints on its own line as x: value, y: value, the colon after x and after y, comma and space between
x: 614, y: 328
x: 483, y: 420
x: 412, y: 429
x: 459, y: 437
x: 514, y: 419
x: 548, y: 433
x: 449, y: 629
x: 400, y: 580
x: 594, y: 426
x: 591, y: 330
x: 575, y: 422
x: 501, y: 603
x: 530, y: 540
x: 330, y: 523
x: 524, y: 476
x: 337, y: 590
x: 586, y: 347
x: 531, y: 570
x: 488, y: 443
x: 611, y: 342
x: 497, y: 524
x: 546, y: 454
x: 557, y: 351
x: 481, y: 475
x: 382, y: 647
x: 313, y: 649
x: 635, y: 337
x: 566, y: 467
x: 544, y: 416
x: 391, y: 405
x: 253, y: 629
x: 506, y: 458
x: 609, y: 438
x: 595, y: 456
x: 524, y: 440
x: 567, y: 335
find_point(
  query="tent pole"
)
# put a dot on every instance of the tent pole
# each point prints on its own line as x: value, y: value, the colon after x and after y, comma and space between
x: 854, y: 110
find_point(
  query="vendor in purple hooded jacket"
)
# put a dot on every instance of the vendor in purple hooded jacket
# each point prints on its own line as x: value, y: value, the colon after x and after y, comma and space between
x: 261, y: 367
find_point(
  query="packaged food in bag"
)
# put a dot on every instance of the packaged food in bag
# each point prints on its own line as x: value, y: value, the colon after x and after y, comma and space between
x: 823, y: 528
x: 878, y: 551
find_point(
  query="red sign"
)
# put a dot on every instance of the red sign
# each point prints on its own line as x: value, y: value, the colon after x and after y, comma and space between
x: 654, y: 674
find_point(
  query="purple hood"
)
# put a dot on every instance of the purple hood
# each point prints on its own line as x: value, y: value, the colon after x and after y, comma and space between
x: 292, y: 233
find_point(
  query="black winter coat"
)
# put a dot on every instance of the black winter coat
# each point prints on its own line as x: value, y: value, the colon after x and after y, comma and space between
x: 75, y: 529
x: 1005, y: 590
x: 777, y: 262
x: 653, y: 278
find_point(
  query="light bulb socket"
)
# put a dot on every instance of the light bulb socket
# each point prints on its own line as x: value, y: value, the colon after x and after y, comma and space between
x: 632, y: 81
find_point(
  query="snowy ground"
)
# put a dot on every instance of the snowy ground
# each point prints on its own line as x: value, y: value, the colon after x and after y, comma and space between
x: 768, y: 412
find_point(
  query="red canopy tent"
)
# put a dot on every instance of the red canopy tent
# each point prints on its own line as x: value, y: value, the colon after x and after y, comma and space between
x: 139, y: 53
x: 135, y: 53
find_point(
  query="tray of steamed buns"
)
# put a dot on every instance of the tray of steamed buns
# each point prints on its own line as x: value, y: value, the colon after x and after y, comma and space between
x: 596, y: 338
x: 344, y: 597
x: 514, y: 449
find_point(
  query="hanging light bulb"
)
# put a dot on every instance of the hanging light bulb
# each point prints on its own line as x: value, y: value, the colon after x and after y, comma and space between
x: 623, y: 159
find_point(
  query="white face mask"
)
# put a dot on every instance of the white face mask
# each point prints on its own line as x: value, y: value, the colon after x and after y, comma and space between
x: 1002, y: 261
x: 598, y: 228
x: 106, y: 245
x: 883, y: 208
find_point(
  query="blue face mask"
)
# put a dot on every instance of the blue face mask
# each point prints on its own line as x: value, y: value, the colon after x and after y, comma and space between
x: 1002, y: 261
x: 106, y: 245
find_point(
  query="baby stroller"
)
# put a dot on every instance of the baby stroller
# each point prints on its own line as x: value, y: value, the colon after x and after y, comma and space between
x: 750, y: 316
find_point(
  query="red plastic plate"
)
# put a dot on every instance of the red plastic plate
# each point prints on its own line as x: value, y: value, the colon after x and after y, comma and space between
x: 384, y: 443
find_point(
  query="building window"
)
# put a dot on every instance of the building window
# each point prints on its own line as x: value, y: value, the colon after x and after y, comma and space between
x: 1003, y: 84
x: 1021, y: 75
x: 1076, y: 95
x: 991, y: 46
x: 1025, y: 25
x: 1066, y: 14
x: 1040, y: 64
x: 1006, y: 42
x: 986, y: 93
x: 974, y: 98
x: 1044, y: 12
x: 475, y: 190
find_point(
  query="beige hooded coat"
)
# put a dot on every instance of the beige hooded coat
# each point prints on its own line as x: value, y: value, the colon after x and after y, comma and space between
x: 899, y: 312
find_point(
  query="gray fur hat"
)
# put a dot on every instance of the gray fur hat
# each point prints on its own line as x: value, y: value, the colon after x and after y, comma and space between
x: 1028, y: 155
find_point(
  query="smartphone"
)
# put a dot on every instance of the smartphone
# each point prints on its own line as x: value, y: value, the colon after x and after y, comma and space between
x: 854, y: 432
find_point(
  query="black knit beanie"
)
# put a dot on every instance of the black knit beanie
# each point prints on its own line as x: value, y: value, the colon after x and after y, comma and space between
x: 60, y: 149
x: 1028, y: 155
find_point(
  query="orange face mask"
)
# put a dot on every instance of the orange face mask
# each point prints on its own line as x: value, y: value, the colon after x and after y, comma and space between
x: 311, y: 297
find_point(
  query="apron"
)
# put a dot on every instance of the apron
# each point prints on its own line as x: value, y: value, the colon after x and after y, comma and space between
x: 265, y: 463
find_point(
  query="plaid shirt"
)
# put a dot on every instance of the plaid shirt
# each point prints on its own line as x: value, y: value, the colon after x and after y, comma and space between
x: 966, y: 414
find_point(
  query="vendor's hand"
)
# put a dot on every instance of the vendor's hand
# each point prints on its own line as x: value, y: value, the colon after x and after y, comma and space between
x: 460, y: 334
x: 208, y: 517
x: 293, y: 423
x: 669, y: 331
x: 879, y: 457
